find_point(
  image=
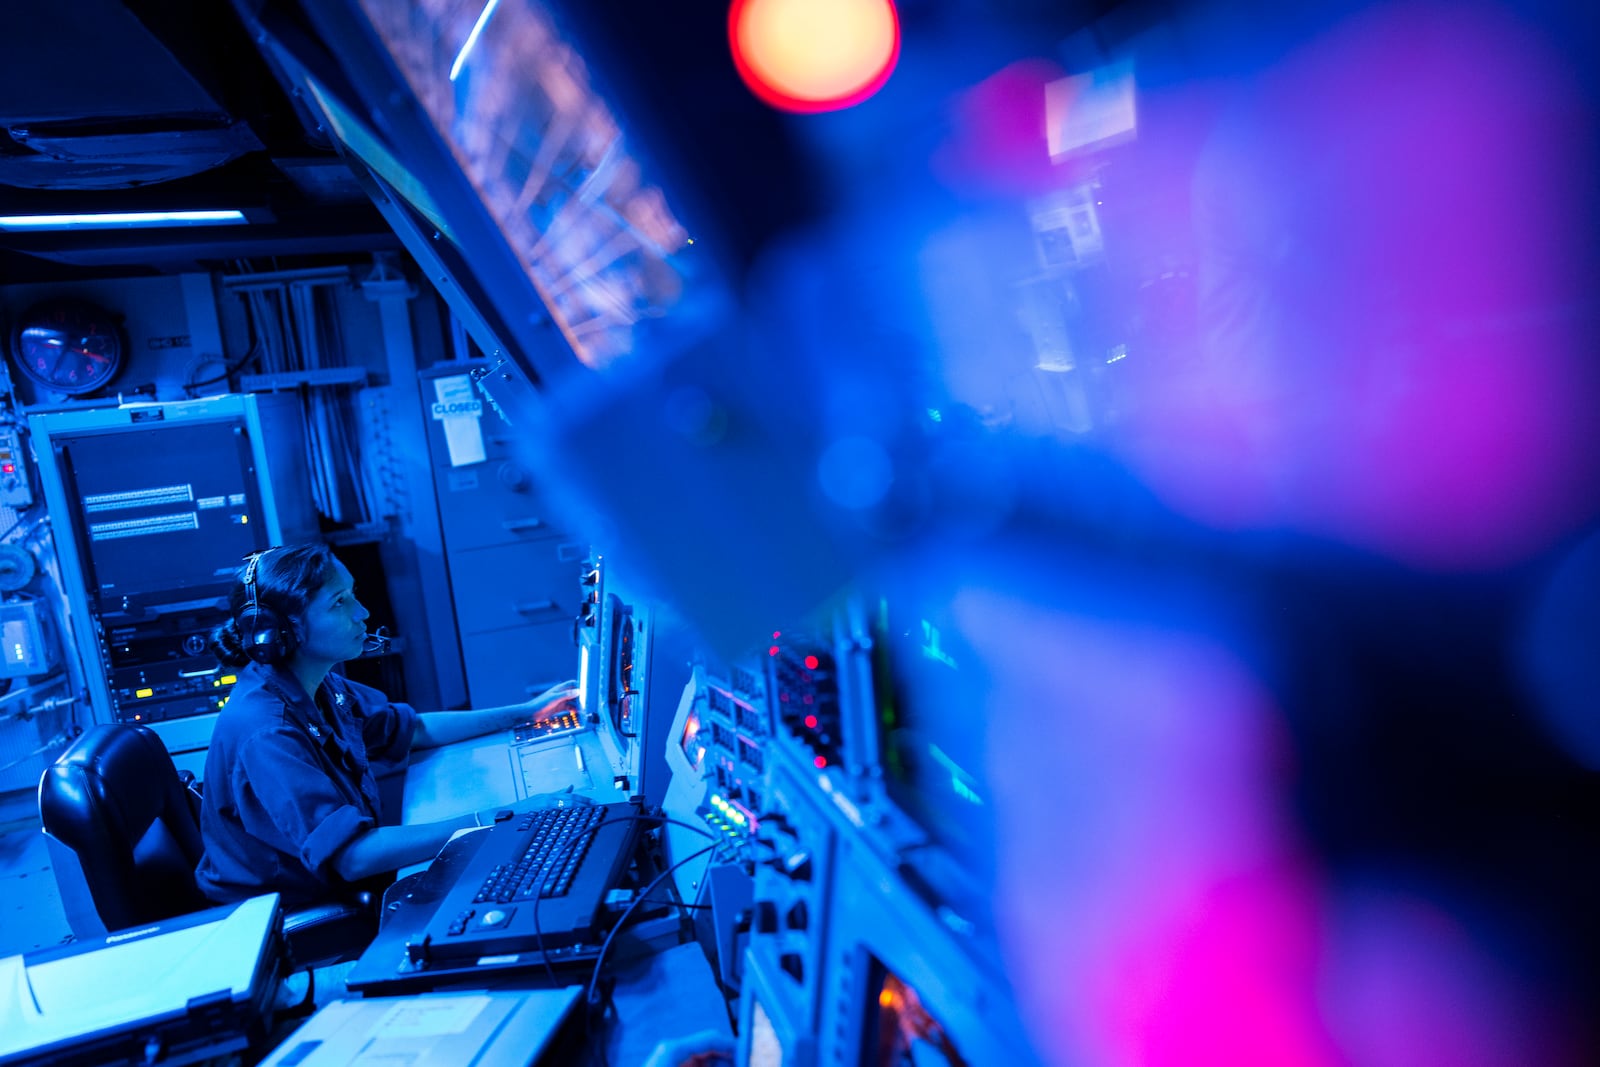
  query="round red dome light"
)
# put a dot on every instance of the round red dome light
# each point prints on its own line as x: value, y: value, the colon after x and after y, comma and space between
x: 814, y: 55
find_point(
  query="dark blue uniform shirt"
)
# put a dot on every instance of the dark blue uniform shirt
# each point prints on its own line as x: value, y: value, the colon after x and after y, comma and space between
x: 289, y: 783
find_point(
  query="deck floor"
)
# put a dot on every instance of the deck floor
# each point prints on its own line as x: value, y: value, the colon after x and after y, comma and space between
x: 31, y: 915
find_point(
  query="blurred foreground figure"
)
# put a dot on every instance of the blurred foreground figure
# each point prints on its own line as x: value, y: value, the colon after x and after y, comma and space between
x: 1392, y: 342
x: 1337, y: 833
x: 1161, y: 905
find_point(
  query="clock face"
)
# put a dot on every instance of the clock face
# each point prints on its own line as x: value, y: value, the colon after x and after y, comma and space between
x: 70, y: 346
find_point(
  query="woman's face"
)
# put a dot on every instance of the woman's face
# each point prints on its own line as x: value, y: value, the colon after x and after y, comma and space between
x: 334, y: 626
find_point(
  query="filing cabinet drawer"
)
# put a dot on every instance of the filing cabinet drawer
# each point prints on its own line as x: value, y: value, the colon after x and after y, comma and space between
x: 491, y: 503
x: 509, y: 666
x: 516, y: 585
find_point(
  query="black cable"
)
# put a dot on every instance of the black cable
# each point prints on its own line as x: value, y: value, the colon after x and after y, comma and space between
x: 701, y: 830
x: 252, y: 351
x: 569, y: 845
x: 538, y: 934
x: 566, y: 850
x: 605, y: 946
x: 230, y: 369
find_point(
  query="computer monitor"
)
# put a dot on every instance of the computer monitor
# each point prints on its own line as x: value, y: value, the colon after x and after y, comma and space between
x: 517, y: 155
x: 930, y: 731
x: 898, y: 1028
x: 166, y: 513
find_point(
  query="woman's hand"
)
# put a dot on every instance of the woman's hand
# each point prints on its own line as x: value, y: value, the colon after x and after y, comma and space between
x: 435, y: 728
x: 552, y: 703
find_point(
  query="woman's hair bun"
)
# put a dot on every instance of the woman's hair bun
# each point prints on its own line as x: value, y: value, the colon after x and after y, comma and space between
x: 227, y: 644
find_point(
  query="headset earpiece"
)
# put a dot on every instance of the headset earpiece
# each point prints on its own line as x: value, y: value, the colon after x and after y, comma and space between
x: 268, y: 638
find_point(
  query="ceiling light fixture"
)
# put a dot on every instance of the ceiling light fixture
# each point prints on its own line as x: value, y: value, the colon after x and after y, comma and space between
x: 120, y: 220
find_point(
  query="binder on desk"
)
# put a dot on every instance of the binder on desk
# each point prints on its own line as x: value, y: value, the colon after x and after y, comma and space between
x: 499, y: 1029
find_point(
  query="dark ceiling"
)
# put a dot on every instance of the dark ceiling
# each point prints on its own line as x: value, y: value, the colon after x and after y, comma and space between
x: 134, y: 105
x: 142, y: 105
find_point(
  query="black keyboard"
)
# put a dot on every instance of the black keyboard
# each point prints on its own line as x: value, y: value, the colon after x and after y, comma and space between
x: 535, y: 883
x: 558, y: 839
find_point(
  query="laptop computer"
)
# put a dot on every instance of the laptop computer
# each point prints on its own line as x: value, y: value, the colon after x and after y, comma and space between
x: 175, y: 992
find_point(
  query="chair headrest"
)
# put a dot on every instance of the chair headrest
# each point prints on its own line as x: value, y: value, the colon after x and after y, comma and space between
x: 114, y: 781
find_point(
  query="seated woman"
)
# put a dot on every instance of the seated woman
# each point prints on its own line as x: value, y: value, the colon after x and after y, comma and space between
x: 291, y: 800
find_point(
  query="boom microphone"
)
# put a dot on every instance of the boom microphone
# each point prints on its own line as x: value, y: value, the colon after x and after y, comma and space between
x: 377, y: 642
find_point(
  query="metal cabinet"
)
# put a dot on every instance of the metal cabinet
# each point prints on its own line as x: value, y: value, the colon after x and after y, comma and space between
x: 513, y: 572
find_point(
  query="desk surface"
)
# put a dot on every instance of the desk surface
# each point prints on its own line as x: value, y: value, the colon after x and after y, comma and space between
x: 471, y: 775
x: 663, y: 989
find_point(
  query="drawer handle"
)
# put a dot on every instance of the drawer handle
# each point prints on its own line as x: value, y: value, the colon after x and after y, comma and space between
x: 522, y: 524
x: 535, y: 607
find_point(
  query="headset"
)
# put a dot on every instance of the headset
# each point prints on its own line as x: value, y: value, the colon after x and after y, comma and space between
x: 268, y: 637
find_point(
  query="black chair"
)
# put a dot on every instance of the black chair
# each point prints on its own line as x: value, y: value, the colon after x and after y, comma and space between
x: 115, y: 799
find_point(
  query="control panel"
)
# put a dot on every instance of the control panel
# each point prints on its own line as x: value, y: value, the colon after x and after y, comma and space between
x: 614, y: 637
x: 16, y: 491
x: 736, y: 725
x: 717, y: 751
x: 804, y: 682
x: 557, y: 726
x: 788, y: 919
x: 27, y: 645
x: 160, y: 670
x: 834, y: 764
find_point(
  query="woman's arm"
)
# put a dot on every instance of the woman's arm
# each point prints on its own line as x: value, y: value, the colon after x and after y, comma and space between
x: 388, y: 848
x: 435, y: 728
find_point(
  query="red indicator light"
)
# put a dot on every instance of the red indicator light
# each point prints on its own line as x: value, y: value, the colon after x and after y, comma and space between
x: 783, y: 697
x: 773, y: 651
x: 777, y: 634
x: 814, y: 55
x: 9, y: 468
x: 821, y: 762
x: 811, y: 722
x: 811, y: 663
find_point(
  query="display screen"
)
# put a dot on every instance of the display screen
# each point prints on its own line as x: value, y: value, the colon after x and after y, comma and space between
x: 930, y: 734
x: 16, y: 641
x: 20, y: 641
x: 621, y: 664
x: 359, y: 140
x: 513, y: 102
x: 165, y: 514
x: 694, y: 749
x: 900, y: 1031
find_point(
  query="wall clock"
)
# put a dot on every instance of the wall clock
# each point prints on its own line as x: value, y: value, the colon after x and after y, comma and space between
x: 68, y: 345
